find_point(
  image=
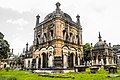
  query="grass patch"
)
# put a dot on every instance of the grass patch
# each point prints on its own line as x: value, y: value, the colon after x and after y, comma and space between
x: 8, y: 78
x: 25, y: 75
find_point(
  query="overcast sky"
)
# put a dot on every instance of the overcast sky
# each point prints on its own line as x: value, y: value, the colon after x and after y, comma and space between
x: 17, y: 19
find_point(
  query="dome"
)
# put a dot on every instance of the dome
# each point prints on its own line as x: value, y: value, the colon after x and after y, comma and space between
x: 100, y: 44
x: 58, y: 13
x: 31, y: 48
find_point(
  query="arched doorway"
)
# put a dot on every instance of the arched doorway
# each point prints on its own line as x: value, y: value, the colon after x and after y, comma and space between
x: 44, y: 60
x: 70, y: 60
x: 104, y: 59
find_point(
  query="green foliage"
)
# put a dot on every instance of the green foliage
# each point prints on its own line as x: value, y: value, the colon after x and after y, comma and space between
x: 102, y: 71
x: 87, y: 47
x: 4, y: 47
x: 8, y: 78
x: 88, y: 70
x: 86, y: 52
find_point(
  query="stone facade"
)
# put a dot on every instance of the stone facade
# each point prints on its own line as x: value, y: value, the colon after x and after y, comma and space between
x: 57, y: 41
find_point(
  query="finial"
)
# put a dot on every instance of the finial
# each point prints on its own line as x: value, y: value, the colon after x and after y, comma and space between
x: 12, y: 50
x: 38, y: 16
x: 27, y: 47
x: 37, y: 20
x: 78, y: 16
x: 100, y: 37
x: 91, y: 44
x: 58, y: 5
x: 110, y: 44
x: 27, y: 43
x: 104, y: 41
x: 78, y: 19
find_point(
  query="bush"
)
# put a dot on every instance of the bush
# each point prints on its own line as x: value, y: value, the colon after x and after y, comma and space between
x: 102, y: 71
x: 88, y: 70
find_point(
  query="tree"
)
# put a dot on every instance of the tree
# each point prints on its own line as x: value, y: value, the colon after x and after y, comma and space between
x: 86, y: 52
x: 4, y: 47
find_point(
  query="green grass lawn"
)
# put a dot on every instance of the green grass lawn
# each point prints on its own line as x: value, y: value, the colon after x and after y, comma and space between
x: 25, y: 75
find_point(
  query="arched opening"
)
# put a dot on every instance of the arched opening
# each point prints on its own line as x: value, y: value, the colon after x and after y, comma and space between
x: 28, y: 63
x: 44, y: 60
x: 104, y: 59
x: 77, y: 39
x: 64, y: 35
x: 10, y: 64
x: 94, y: 59
x: 70, y: 60
x: 39, y: 39
x: 51, y: 34
x: 44, y: 37
x: 37, y: 43
x: 71, y: 37
x: 99, y: 60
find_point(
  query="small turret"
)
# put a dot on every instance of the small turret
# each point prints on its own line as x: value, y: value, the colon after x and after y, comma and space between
x: 37, y: 19
x: 12, y: 50
x: 27, y: 47
x: 99, y: 37
x: 58, y: 6
x: 78, y: 19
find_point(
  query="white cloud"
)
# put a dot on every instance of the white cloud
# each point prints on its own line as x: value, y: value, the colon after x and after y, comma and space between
x: 20, y: 21
x: 17, y: 44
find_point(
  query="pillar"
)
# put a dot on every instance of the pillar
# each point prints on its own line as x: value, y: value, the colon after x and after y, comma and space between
x: 50, y: 62
x: 112, y: 60
x: 107, y: 62
x: 78, y: 60
x: 97, y: 61
x: 37, y: 62
x: 65, y: 61
x: 41, y: 61
x: 73, y: 60
x: 102, y: 62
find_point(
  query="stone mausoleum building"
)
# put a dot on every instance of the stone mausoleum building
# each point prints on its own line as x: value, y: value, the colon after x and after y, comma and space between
x: 102, y: 53
x: 57, y: 42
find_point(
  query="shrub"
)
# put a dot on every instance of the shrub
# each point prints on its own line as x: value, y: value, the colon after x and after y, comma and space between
x: 102, y: 71
x: 87, y: 70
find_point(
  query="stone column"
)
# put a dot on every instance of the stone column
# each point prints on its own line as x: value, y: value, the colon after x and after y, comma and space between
x: 64, y: 37
x: 50, y: 62
x: 41, y: 61
x: 37, y: 62
x: 73, y: 60
x: 97, y: 60
x: 107, y: 62
x: 102, y: 63
x: 112, y: 60
x: 65, y: 61
x: 30, y: 63
x: 92, y: 62
x: 78, y: 60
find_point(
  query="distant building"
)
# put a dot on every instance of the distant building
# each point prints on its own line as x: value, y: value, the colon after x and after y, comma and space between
x: 102, y: 54
x: 10, y: 61
x: 57, y: 42
x: 116, y: 49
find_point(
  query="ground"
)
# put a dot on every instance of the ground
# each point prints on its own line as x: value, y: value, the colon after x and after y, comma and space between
x: 26, y: 75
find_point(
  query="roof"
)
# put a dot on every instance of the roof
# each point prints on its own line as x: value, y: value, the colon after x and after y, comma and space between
x: 58, y: 13
x: 100, y: 44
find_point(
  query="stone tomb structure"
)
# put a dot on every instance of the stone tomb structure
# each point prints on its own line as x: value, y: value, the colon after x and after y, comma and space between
x: 57, y: 42
x: 102, y: 53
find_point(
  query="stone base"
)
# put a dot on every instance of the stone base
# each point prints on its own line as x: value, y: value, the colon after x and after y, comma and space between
x: 58, y: 62
x: 53, y: 70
